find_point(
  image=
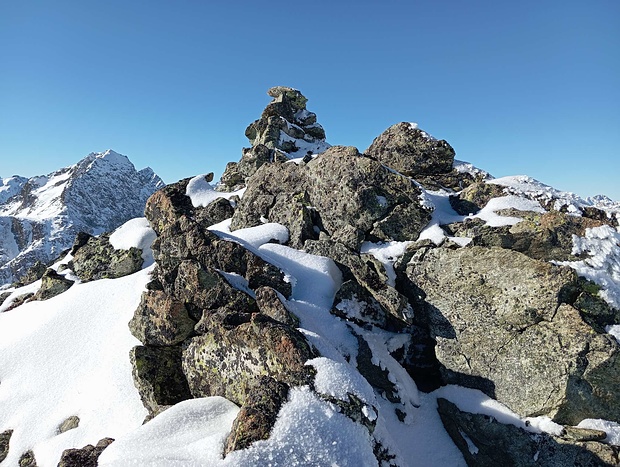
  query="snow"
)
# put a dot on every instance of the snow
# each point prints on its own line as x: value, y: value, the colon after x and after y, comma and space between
x: 489, y: 212
x: 135, y: 233
x: 202, y: 193
x: 611, y: 428
x: 614, y: 330
x: 338, y: 378
x: 602, y: 265
x: 190, y: 433
x: 439, y: 202
x: 468, y: 168
x: 69, y: 356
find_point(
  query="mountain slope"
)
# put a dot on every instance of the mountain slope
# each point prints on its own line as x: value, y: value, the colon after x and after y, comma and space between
x: 40, y: 216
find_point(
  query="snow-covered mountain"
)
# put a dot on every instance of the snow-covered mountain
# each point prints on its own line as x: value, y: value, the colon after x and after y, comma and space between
x: 395, y: 307
x: 40, y: 216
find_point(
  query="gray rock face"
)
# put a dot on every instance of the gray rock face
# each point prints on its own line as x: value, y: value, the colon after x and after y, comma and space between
x: 339, y: 192
x: 411, y: 151
x: 40, y: 216
x: 484, y: 441
x: 5, y: 438
x: 506, y: 327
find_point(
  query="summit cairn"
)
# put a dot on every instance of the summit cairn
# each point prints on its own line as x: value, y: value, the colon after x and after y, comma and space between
x: 286, y: 130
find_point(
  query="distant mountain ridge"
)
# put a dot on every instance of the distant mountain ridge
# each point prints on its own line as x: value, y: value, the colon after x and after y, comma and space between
x: 40, y: 216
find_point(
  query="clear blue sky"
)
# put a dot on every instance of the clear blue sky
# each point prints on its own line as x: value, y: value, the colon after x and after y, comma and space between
x: 528, y: 87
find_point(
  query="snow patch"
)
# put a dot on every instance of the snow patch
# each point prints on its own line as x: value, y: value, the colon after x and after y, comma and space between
x: 202, y: 193
x: 136, y: 233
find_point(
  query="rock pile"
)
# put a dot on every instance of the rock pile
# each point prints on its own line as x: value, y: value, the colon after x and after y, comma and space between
x: 495, y: 315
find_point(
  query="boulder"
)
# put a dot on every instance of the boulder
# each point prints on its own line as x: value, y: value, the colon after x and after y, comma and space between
x: 507, y: 327
x: 258, y: 414
x: 97, y: 259
x: 484, y: 441
x: 161, y: 320
x: 341, y: 193
x: 52, y: 284
x: 158, y: 377
x: 70, y: 423
x: 84, y: 457
x: 227, y: 360
x: 27, y: 459
x: 411, y: 151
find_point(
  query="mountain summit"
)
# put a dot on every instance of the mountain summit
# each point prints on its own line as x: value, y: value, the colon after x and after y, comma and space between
x: 40, y: 216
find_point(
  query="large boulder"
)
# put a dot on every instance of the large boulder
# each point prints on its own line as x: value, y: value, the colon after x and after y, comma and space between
x: 411, y: 151
x: 341, y: 193
x: 508, y: 327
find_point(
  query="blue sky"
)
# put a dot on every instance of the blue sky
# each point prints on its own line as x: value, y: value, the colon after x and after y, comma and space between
x: 525, y: 87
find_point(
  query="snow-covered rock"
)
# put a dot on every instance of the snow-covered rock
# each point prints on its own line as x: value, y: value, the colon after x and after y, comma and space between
x: 40, y: 216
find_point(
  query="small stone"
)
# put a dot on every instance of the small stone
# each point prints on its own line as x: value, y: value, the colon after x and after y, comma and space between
x: 69, y: 424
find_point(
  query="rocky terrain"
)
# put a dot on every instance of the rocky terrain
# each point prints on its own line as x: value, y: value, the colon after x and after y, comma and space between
x: 40, y: 216
x: 326, y: 306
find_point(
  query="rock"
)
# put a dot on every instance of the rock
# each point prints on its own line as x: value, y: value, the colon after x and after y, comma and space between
x: 27, y: 460
x: 411, y: 151
x: 69, y: 424
x: 286, y: 125
x: 160, y: 320
x: 506, y: 327
x: 97, y: 259
x: 258, y: 414
x: 4, y: 296
x: 476, y: 196
x: 252, y: 159
x: 5, y: 438
x: 52, y: 284
x: 270, y: 304
x: 484, y: 441
x: 339, y: 192
x: 84, y: 457
x: 158, y: 377
x: 20, y: 300
x: 394, y: 308
x: 547, y: 236
x: 227, y: 359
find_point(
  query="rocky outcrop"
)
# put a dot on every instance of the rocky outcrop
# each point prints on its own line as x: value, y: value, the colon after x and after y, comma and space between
x: 5, y: 438
x: 508, y: 327
x: 203, y: 336
x: 285, y: 130
x: 84, y: 457
x: 95, y: 258
x: 340, y: 192
x: 484, y: 441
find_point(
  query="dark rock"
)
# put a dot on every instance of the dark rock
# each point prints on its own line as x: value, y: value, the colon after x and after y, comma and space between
x: 97, y: 259
x: 476, y: 196
x: 84, y: 457
x: 270, y: 304
x: 4, y: 296
x: 5, y: 438
x: 160, y: 320
x: 158, y: 377
x: 52, y: 284
x: 411, y: 151
x: 226, y: 360
x: 507, y: 329
x: 258, y: 414
x: 484, y: 441
x: 20, y: 301
x: 69, y: 424
x: 27, y: 460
